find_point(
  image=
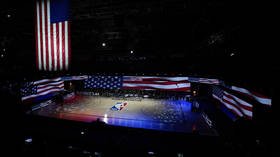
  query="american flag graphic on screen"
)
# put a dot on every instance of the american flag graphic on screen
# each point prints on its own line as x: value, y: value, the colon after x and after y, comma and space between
x: 235, y: 104
x: 256, y: 96
x: 32, y: 90
x: 157, y: 83
x: 139, y: 83
x: 204, y: 80
x: 52, y: 35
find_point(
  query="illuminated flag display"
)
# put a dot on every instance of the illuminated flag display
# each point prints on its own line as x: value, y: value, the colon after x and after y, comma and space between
x: 204, y: 80
x: 139, y: 83
x: 238, y: 106
x: 53, y: 50
x: 74, y: 78
x: 258, y: 97
x: 157, y: 83
x: 40, y: 88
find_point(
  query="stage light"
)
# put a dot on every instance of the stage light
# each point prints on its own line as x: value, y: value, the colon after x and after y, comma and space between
x: 2, y: 55
x: 8, y: 15
x: 105, y: 115
x: 82, y: 133
x: 105, y: 120
x: 194, y: 92
x: 28, y: 140
x: 151, y: 153
x: 232, y: 54
x: 131, y: 52
x: 103, y: 44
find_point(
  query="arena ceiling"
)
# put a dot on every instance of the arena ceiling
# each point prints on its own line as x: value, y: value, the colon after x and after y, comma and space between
x: 193, y: 37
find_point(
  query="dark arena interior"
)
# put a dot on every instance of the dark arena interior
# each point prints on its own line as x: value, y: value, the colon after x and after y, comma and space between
x: 147, y: 78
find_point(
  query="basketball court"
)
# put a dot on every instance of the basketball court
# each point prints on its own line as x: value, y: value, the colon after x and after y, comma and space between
x: 146, y: 113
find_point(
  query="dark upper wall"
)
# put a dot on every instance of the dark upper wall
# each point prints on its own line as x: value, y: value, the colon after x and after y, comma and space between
x: 192, y: 37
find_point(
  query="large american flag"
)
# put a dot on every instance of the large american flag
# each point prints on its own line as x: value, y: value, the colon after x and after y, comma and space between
x: 159, y: 83
x: 204, y: 80
x: 139, y: 83
x: 52, y: 35
x: 237, y: 105
x: 32, y: 90
x: 104, y: 82
x: 258, y: 97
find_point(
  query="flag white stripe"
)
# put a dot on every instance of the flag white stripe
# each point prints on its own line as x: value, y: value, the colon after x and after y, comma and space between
x: 43, y: 34
x: 66, y: 45
x: 38, y: 36
x: 179, y: 85
x: 49, y: 35
x: 60, y: 45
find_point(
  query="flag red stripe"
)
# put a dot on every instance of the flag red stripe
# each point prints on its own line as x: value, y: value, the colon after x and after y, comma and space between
x: 153, y: 82
x: 229, y: 103
x: 51, y: 84
x: 240, y: 104
x: 260, y: 98
x: 157, y: 79
x: 184, y: 89
x: 52, y: 48
x: 57, y: 46
x: 231, y: 109
x: 46, y: 35
x: 259, y: 95
x: 237, y: 107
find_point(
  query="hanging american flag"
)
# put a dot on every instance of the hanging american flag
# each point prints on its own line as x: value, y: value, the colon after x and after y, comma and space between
x: 139, y: 83
x: 52, y: 35
x: 36, y: 89
x: 238, y: 106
